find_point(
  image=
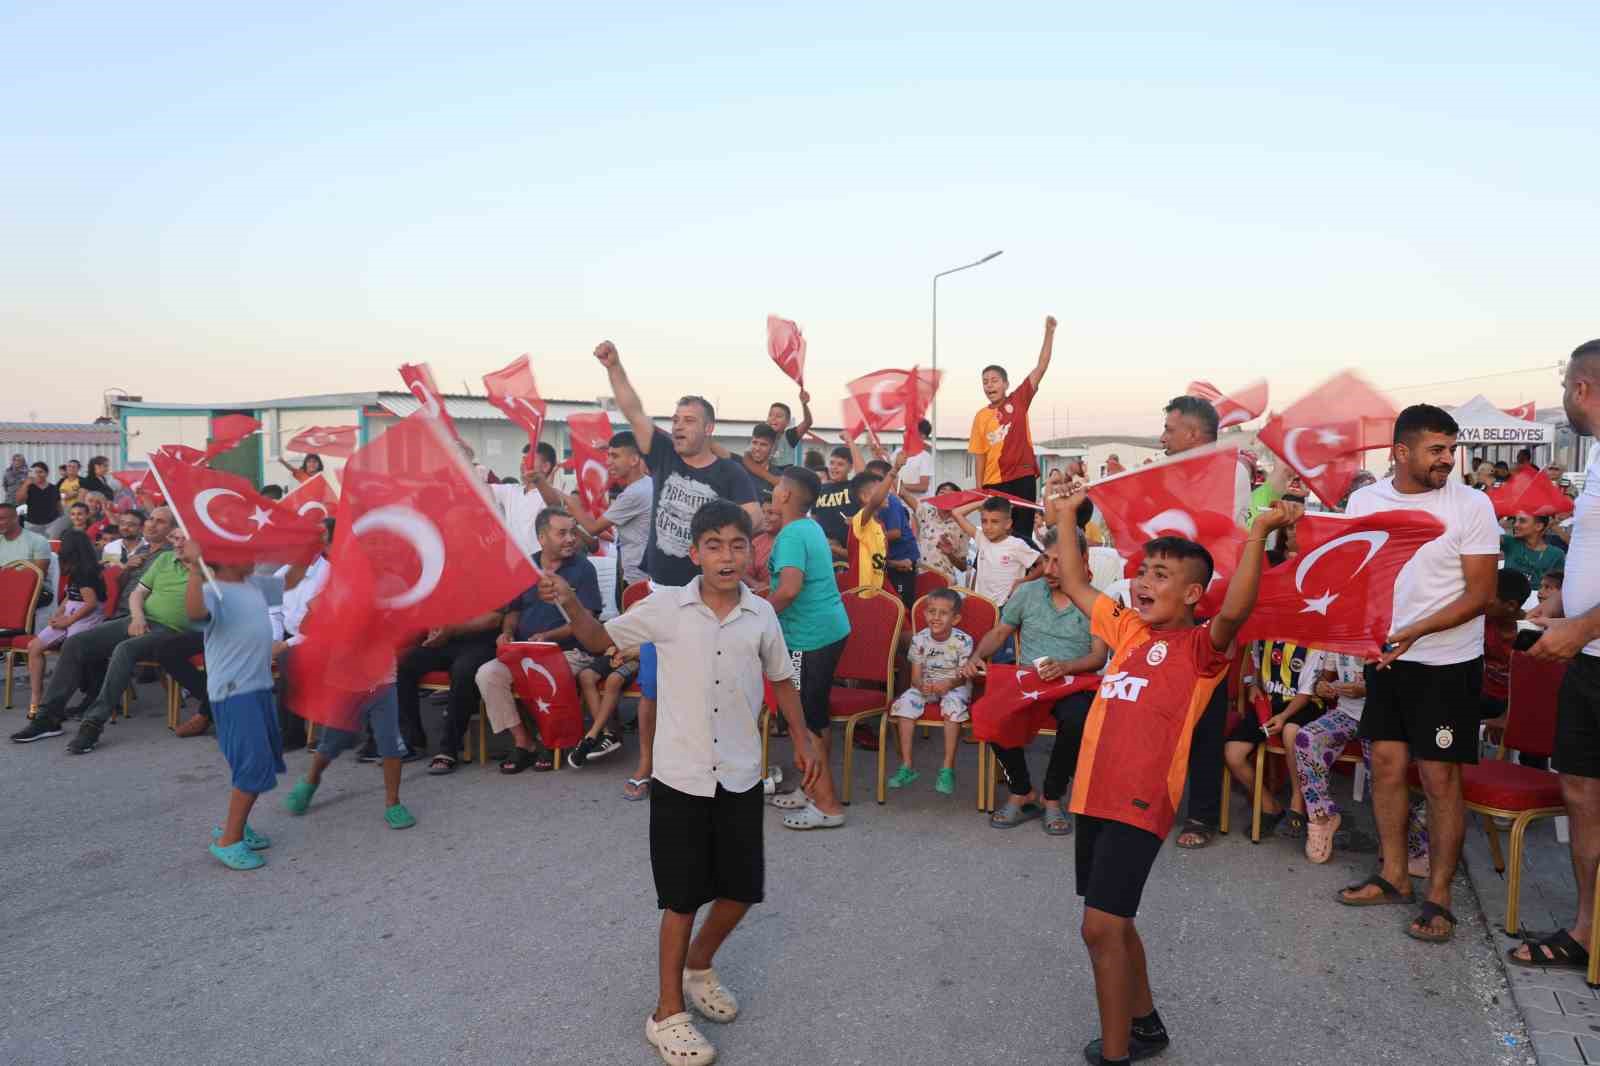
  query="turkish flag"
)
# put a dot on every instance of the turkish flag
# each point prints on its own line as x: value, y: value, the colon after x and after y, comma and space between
x: 1524, y: 411
x: 512, y: 390
x: 148, y: 490
x: 1190, y: 497
x: 345, y: 653
x: 419, y: 379
x: 884, y: 399
x: 232, y: 523
x: 1233, y: 410
x: 336, y: 441
x: 949, y: 501
x: 227, y: 431
x: 543, y: 682
x: 183, y: 454
x: 1321, y: 435
x: 1529, y: 491
x: 313, y: 497
x: 1337, y: 594
x: 591, y: 441
x: 1016, y: 704
x: 853, y: 422
x: 787, y: 346
x: 1015, y: 501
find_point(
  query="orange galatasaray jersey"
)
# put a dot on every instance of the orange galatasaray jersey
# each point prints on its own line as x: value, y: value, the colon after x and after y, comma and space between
x: 1135, y: 752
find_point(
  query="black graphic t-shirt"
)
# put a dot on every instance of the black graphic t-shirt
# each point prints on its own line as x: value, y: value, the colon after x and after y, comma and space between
x: 680, y: 491
x: 833, y: 511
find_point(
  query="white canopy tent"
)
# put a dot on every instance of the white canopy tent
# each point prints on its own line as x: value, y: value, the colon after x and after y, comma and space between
x: 1483, y: 423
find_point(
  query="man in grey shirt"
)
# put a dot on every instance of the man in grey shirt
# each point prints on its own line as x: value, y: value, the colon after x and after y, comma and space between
x: 629, y: 513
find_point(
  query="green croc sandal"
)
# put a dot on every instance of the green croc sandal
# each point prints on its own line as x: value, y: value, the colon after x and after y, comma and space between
x: 903, y: 777
x: 253, y: 840
x: 238, y: 857
x: 945, y: 783
x: 299, y: 797
x: 398, y: 817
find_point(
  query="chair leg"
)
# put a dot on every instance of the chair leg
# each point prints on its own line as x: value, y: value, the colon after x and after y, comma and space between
x: 1255, y: 800
x: 994, y: 779
x: 849, y: 760
x: 1519, y: 830
x: 1227, y: 798
x: 983, y: 771
x: 883, y: 760
x: 1494, y: 843
x: 11, y: 666
x: 1593, y: 976
x: 483, y: 735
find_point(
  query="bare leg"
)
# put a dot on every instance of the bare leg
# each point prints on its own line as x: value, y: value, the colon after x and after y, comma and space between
x: 674, y: 952
x: 1447, y: 827
x: 1297, y: 802
x: 391, y: 782
x: 647, y: 742
x: 522, y: 736
x: 610, y: 696
x: 822, y: 794
x: 239, y: 804
x: 1107, y: 938
x: 589, y: 690
x: 1392, y: 805
x: 1239, y: 757
x: 725, y: 914
x: 319, y: 763
x: 908, y: 733
x: 952, y: 741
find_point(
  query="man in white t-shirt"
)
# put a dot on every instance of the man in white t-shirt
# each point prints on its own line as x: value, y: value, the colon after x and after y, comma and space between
x: 1573, y: 633
x: 1423, y: 694
x: 522, y: 503
x: 917, y: 476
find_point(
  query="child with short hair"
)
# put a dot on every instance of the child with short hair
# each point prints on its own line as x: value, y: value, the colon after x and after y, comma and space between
x: 1550, y: 584
x: 938, y: 652
x: 1133, y: 760
x: 867, y: 558
x: 1342, y: 683
x: 1003, y: 559
x: 1500, y: 620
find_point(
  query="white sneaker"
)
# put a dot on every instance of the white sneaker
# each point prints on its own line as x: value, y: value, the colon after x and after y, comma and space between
x: 677, y: 1041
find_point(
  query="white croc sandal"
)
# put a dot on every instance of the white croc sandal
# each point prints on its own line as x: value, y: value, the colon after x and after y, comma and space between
x: 708, y: 995
x: 789, y: 801
x: 809, y: 817
x: 678, y: 1042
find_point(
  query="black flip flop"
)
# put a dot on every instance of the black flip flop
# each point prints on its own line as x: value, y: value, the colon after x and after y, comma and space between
x: 1558, y: 951
x: 1191, y: 827
x: 1391, y: 896
x: 1430, y: 911
x: 519, y: 760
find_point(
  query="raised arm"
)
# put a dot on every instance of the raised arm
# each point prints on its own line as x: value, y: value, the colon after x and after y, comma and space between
x: 806, y: 421
x: 1246, y: 581
x: 1059, y: 512
x: 873, y: 498
x: 585, y: 627
x: 628, y: 402
x: 960, y: 515
x: 1044, y: 352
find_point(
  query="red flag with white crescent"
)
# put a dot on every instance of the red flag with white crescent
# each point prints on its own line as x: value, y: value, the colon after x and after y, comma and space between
x: 787, y: 347
x: 183, y: 453
x: 232, y: 523
x: 1337, y: 594
x: 591, y: 442
x: 334, y: 441
x: 1235, y: 409
x: 543, y: 682
x: 1529, y: 491
x: 949, y: 501
x: 513, y: 391
x: 313, y: 498
x: 345, y: 654
x: 419, y: 379
x: 1525, y: 411
x: 1016, y: 703
x: 1323, y: 433
x: 883, y: 398
x: 227, y: 431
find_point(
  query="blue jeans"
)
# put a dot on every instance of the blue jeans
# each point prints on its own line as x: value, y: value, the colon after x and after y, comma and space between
x: 380, y: 712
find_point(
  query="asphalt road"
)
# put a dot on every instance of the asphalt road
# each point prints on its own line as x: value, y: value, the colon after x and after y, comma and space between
x: 516, y: 923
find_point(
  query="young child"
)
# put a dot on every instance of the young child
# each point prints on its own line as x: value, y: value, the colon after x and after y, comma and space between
x: 1135, y: 751
x: 1003, y: 560
x: 1550, y: 584
x: 1284, y: 677
x: 84, y: 607
x: 1341, y: 682
x: 238, y: 643
x: 938, y: 652
x: 867, y: 558
x: 716, y: 641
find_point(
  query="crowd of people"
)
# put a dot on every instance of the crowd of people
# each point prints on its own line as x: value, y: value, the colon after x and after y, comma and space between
x: 710, y: 577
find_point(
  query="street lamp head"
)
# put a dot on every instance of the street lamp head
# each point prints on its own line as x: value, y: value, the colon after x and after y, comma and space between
x: 990, y: 256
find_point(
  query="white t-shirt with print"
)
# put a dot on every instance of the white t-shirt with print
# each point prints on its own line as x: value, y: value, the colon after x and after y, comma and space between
x: 1001, y: 564
x: 940, y: 660
x: 1580, y: 590
x: 917, y: 467
x: 1433, y: 578
x: 1348, y: 669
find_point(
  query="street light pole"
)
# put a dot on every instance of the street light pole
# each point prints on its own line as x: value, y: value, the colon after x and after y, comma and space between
x: 936, y: 277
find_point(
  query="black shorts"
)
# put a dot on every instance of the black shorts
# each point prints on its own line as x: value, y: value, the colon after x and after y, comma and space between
x: 1114, y: 861
x: 813, y: 674
x: 1577, y: 750
x: 1433, y: 709
x: 705, y: 848
x: 1248, y: 731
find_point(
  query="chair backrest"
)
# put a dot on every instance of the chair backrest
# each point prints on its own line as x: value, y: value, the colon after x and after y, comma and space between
x: 19, y: 594
x: 113, y: 578
x: 978, y: 616
x: 634, y: 593
x: 1531, y: 704
x: 876, y: 617
x: 927, y: 581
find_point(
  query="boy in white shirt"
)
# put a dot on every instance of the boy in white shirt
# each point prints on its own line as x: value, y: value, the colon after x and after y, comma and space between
x: 1003, y: 560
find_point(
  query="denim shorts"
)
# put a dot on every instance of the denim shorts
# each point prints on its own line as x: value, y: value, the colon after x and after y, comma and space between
x: 380, y: 712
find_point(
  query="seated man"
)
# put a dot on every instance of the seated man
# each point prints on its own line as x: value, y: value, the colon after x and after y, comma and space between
x: 156, y: 619
x: 1055, y: 639
x: 530, y: 618
x: 130, y: 538
x: 18, y: 545
x: 459, y: 649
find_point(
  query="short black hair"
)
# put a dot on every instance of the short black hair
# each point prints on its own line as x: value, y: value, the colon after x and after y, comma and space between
x: 719, y: 514
x: 861, y: 482
x: 704, y: 405
x: 782, y: 407
x: 924, y: 427
x: 542, y: 523
x: 1554, y: 576
x: 996, y: 505
x: 998, y: 369
x: 1197, y: 408
x: 762, y: 431
x: 547, y: 452
x: 1512, y: 586
x: 1501, y: 464
x: 624, y: 439
x: 814, y: 460
x: 272, y: 492
x: 41, y: 466
x: 76, y: 504
x: 948, y: 595
x: 1524, y: 455
x: 841, y: 452
x: 803, y: 481
x: 137, y: 513
x: 1422, y: 418
x: 946, y: 486
x: 1184, y: 551
x: 881, y: 467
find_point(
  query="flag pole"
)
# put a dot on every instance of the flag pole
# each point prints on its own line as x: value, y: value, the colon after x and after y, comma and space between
x: 177, y: 516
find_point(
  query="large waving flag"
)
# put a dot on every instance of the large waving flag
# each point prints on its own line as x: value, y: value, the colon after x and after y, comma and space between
x: 227, y: 431
x: 1323, y: 433
x: 1236, y: 409
x: 543, y: 682
x: 419, y: 379
x: 232, y: 523
x: 335, y: 441
x: 1529, y: 492
x: 889, y: 399
x: 513, y: 391
x: 591, y: 441
x: 787, y: 347
x: 1016, y: 703
x: 1337, y: 594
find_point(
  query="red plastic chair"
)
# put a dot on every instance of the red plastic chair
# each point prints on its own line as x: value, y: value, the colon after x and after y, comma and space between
x: 1497, y: 788
x: 20, y: 585
x: 634, y: 593
x: 927, y: 581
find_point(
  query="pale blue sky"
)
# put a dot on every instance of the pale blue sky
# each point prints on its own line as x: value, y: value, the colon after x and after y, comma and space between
x: 209, y: 204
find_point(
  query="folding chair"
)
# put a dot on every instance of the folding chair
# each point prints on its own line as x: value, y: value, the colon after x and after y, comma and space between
x: 1498, y: 788
x: 439, y: 681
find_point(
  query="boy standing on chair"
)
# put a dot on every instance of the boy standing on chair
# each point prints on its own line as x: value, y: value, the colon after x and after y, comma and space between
x: 1135, y: 750
x: 716, y: 641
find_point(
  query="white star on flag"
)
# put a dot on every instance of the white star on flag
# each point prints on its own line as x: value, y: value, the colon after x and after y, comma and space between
x: 1329, y: 437
x: 1320, y: 604
x: 261, y: 517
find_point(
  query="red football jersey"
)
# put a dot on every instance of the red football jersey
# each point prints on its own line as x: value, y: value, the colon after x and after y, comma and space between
x: 1135, y: 752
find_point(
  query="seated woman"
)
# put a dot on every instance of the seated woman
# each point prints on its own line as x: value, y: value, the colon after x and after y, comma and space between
x: 83, y: 609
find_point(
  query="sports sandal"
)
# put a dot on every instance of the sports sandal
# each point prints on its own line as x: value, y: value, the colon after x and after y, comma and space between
x: 1202, y: 834
x: 1319, y: 838
x: 253, y: 840
x: 811, y: 818
x: 398, y: 817
x: 1422, y: 927
x: 637, y: 788
x: 1390, y: 895
x: 299, y: 797
x: 238, y: 857
x: 1558, y: 951
x: 708, y: 995
x: 789, y: 801
x: 677, y: 1041
x: 1293, y: 826
x: 442, y: 764
x: 1013, y: 814
x: 1057, y: 822
x: 519, y: 760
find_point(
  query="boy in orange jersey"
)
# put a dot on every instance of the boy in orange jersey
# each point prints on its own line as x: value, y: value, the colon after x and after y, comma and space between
x: 1135, y: 751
